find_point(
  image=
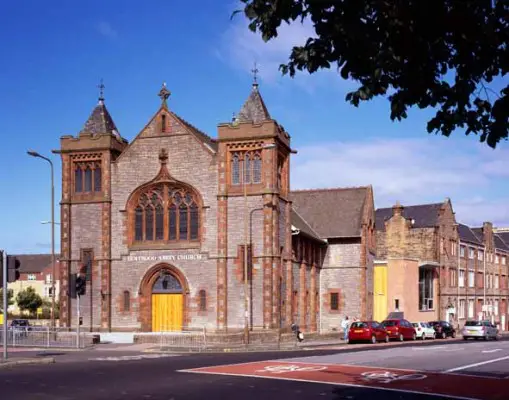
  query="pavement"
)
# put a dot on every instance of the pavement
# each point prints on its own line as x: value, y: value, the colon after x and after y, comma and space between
x: 444, y: 369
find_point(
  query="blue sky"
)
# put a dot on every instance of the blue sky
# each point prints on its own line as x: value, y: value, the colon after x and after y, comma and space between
x: 57, y: 52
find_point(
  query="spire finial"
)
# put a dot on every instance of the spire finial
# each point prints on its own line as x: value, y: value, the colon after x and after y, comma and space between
x: 101, y: 90
x: 255, y: 75
x: 164, y: 93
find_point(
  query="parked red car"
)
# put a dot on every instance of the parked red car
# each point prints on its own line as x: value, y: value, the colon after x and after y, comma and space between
x: 367, y: 331
x: 400, y: 329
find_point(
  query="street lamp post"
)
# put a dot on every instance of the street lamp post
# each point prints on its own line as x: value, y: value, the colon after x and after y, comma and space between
x: 53, y: 271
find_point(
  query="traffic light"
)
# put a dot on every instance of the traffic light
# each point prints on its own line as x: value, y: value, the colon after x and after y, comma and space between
x: 81, y: 285
x: 72, y: 286
x: 77, y: 285
x: 13, y: 265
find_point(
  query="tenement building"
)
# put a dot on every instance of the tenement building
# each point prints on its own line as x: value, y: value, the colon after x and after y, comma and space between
x: 178, y: 230
x: 482, y: 279
x: 429, y: 267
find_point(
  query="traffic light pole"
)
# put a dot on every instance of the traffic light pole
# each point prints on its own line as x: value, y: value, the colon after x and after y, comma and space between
x: 4, y: 292
x: 78, y: 321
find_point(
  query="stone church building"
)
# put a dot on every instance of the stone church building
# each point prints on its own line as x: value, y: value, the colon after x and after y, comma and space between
x: 179, y: 230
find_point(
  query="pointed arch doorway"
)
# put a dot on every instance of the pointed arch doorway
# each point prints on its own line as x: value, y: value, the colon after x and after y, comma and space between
x: 164, y: 292
x: 167, y: 304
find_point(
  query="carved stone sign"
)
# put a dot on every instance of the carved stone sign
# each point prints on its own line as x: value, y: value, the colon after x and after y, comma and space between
x: 167, y: 257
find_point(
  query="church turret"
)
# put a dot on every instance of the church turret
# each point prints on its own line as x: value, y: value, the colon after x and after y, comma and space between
x: 86, y: 192
x: 253, y: 186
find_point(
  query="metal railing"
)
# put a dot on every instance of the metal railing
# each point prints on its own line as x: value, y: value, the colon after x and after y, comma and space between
x: 186, y: 338
x: 38, y: 336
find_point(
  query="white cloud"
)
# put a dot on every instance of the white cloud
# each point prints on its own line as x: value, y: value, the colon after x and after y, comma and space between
x: 413, y: 171
x: 240, y: 48
x: 105, y: 29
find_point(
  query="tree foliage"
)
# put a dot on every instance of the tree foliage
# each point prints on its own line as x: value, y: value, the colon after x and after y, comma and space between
x: 29, y: 300
x: 440, y: 54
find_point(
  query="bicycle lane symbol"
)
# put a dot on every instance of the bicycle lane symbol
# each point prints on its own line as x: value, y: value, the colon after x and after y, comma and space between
x: 389, y: 377
x: 281, y: 369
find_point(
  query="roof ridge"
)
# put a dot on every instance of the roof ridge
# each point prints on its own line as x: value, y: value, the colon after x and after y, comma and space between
x: 413, y: 205
x: 306, y: 222
x: 330, y: 189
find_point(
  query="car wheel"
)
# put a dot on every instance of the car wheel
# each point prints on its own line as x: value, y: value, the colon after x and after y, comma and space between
x: 453, y: 335
x: 401, y: 338
x: 387, y: 339
x: 423, y: 336
x: 465, y: 338
x: 495, y: 337
x: 373, y: 339
x: 444, y: 335
x: 485, y: 338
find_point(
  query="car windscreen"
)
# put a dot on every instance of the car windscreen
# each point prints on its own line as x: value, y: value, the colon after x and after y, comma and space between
x: 357, y: 325
x: 390, y: 323
x: 473, y: 323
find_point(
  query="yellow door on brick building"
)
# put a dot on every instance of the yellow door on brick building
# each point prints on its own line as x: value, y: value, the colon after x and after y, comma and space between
x: 380, y: 293
x: 167, y: 312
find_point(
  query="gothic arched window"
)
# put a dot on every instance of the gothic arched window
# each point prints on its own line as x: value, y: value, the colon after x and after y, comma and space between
x: 165, y: 213
x: 246, y: 167
x: 235, y: 169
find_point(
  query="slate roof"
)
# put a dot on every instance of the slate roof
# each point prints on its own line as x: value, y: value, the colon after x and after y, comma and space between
x: 34, y: 263
x: 504, y: 236
x: 424, y: 215
x: 500, y: 243
x: 299, y: 223
x: 478, y: 232
x: 100, y: 121
x: 331, y: 213
x: 466, y: 234
x: 254, y: 109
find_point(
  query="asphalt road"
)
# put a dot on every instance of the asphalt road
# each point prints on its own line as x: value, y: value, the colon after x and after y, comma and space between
x: 114, y: 375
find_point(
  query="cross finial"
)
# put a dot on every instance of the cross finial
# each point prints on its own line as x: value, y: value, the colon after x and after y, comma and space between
x: 255, y: 74
x: 101, y: 90
x: 163, y: 156
x: 164, y: 93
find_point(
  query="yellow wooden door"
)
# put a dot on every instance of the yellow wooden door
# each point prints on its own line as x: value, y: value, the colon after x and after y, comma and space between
x: 380, y: 293
x: 167, y: 312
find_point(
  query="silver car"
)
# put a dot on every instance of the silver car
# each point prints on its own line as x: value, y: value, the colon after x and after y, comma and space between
x: 479, y: 329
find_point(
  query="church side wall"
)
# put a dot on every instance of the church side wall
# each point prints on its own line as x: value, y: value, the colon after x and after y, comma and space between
x: 341, y: 273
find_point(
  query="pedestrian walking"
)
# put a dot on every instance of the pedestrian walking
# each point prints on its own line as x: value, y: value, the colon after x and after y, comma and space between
x: 345, y: 325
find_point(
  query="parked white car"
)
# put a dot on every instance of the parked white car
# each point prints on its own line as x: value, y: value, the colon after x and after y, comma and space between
x: 424, y: 330
x: 479, y: 329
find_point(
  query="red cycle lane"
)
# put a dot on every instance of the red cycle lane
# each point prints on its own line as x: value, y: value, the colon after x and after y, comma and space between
x: 410, y: 381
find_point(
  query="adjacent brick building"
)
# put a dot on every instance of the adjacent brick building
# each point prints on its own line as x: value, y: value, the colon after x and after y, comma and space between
x: 165, y: 227
x: 482, y: 279
x: 420, y: 241
x: 462, y: 271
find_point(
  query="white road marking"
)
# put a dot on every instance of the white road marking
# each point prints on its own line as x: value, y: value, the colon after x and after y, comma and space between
x: 131, y: 358
x: 426, y: 348
x: 491, y: 351
x: 477, y: 364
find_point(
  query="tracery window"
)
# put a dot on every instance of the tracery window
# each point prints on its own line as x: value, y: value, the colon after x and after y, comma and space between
x: 87, y: 177
x: 165, y: 213
x: 246, y: 166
